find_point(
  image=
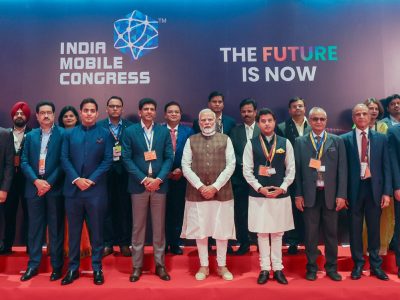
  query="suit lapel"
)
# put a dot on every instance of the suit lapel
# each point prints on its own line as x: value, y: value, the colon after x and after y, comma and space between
x: 328, y: 143
x: 256, y: 130
x: 353, y: 140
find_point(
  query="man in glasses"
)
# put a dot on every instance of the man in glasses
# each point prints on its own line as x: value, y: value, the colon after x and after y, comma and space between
x: 321, y: 190
x: 118, y: 222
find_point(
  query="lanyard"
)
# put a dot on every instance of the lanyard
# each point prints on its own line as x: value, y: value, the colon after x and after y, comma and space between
x: 268, y: 155
x: 319, y: 147
x: 116, y: 134
x: 149, y: 140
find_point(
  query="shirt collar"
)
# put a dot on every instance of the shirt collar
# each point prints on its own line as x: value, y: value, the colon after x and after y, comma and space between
x: 302, y: 124
x: 393, y: 120
x: 251, y: 126
x: 176, y: 127
x: 358, y: 131
x: 321, y: 135
x: 112, y: 124
x: 144, y: 126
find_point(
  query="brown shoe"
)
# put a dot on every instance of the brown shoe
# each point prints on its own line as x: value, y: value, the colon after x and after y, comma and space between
x: 162, y: 273
x: 137, y: 272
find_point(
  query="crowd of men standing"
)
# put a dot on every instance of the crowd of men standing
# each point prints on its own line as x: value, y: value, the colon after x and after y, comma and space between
x: 213, y: 181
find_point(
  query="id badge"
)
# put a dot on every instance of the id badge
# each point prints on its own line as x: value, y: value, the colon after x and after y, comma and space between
x: 150, y: 155
x: 117, y: 152
x: 271, y: 171
x: 17, y: 160
x: 42, y: 164
x: 365, y: 171
x: 263, y: 171
x: 315, y: 163
x: 320, y: 183
x: 321, y: 169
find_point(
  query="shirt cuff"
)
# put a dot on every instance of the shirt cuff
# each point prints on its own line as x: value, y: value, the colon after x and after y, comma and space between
x: 73, y: 181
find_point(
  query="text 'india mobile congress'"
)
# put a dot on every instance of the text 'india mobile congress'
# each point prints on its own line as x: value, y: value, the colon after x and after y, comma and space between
x: 281, y: 60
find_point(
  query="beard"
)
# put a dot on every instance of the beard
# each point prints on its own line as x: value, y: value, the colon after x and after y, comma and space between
x: 19, y: 122
x: 208, y: 131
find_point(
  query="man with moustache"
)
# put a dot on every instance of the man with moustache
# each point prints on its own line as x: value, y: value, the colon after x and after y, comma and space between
x: 118, y: 222
x: 40, y: 163
x: 369, y: 189
x: 176, y: 181
x: 20, y: 114
x: 86, y: 157
x: 208, y: 162
x: 321, y: 183
x: 239, y: 136
x: 147, y: 155
x: 294, y: 127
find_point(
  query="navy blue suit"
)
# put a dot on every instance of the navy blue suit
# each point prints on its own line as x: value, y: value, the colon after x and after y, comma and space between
x: 365, y: 195
x: 49, y: 208
x: 228, y: 123
x: 118, y: 221
x: 176, y: 191
x: 86, y: 153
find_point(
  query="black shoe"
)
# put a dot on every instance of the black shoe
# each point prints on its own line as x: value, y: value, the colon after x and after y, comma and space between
x: 125, y: 251
x: 137, y: 272
x: 55, y: 275
x: 398, y: 273
x: 356, y: 272
x: 162, y: 273
x: 378, y: 273
x: 98, y: 277
x: 5, y: 251
x: 243, y: 249
x: 335, y: 276
x: 175, y: 249
x: 108, y: 251
x: 29, y: 273
x: 311, y: 276
x: 263, y: 277
x: 292, y: 250
x: 70, y: 277
x: 229, y: 250
x: 280, y: 277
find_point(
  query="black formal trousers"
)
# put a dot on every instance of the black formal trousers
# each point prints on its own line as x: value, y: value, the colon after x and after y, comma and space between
x: 314, y: 217
x: 118, y: 220
x: 46, y: 211
x: 397, y: 245
x: 241, y: 206
x: 175, y: 207
x: 365, y: 206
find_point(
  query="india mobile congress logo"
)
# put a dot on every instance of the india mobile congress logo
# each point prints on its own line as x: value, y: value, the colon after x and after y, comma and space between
x: 137, y: 34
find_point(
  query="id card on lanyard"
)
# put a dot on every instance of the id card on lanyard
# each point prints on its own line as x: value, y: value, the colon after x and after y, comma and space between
x: 315, y: 163
x: 150, y: 154
x: 267, y: 170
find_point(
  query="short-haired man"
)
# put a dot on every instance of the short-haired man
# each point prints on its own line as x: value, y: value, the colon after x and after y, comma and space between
x: 147, y: 155
x: 118, y: 222
x: 40, y: 164
x: 369, y: 189
x: 86, y: 157
x: 321, y: 183
x: 208, y: 162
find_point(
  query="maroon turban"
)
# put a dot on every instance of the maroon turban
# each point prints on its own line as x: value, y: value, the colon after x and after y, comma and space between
x: 24, y: 107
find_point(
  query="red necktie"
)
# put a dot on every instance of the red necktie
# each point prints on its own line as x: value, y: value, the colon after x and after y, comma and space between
x: 173, y: 138
x: 364, y: 145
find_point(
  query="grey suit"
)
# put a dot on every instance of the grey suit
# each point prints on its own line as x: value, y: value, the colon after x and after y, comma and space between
x: 320, y: 203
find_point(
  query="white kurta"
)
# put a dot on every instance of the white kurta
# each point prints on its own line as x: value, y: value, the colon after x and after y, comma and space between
x: 269, y: 215
x: 208, y: 218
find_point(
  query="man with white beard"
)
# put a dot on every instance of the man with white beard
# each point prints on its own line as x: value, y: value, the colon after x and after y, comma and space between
x: 208, y: 162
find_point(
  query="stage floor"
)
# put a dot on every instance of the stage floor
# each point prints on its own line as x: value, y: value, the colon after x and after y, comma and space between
x: 183, y: 285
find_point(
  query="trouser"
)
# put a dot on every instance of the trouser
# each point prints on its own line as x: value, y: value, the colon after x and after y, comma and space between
x: 202, y: 248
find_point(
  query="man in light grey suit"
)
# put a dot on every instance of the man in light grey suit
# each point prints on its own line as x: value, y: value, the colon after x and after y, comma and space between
x: 321, y: 190
x: 239, y: 136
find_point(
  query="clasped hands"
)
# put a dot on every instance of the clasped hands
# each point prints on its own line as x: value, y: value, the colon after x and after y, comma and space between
x: 152, y: 184
x: 83, y: 183
x: 208, y: 191
x: 42, y: 186
x: 271, y: 191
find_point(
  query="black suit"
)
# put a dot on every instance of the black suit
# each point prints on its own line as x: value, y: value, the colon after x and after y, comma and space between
x: 288, y: 130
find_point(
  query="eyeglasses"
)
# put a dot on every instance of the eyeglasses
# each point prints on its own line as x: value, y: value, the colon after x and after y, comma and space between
x: 43, y: 113
x: 115, y: 106
x: 316, y: 119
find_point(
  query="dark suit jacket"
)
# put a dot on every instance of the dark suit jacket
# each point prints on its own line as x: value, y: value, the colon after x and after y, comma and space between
x: 239, y: 140
x: 6, y: 159
x: 30, y: 162
x: 387, y: 121
x: 133, y: 148
x: 184, y: 132
x: 393, y: 135
x: 378, y: 162
x: 335, y: 175
x: 227, y: 124
x: 288, y: 130
x: 87, y: 153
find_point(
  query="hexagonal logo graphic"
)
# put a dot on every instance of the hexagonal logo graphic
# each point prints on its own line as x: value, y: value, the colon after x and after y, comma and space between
x: 136, y: 34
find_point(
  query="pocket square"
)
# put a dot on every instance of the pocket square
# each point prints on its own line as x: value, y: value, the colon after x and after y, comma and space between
x: 331, y: 149
x: 280, y: 151
x: 99, y: 141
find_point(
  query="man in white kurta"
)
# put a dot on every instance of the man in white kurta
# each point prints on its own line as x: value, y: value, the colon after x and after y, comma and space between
x: 208, y: 162
x: 269, y: 168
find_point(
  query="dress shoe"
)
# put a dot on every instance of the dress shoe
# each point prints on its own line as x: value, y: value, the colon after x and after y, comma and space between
x: 263, y: 277
x: 55, y: 275
x: 108, y: 251
x: 356, y: 272
x: 311, y: 276
x: 280, y: 277
x: 202, y: 273
x: 70, y: 277
x: 125, y: 251
x: 175, y: 249
x: 243, y: 249
x: 378, y: 273
x: 162, y: 273
x: 29, y: 273
x: 398, y: 273
x: 292, y: 250
x: 335, y: 276
x: 229, y: 250
x: 137, y: 272
x: 98, y: 277
x: 224, y: 273
x: 5, y: 251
